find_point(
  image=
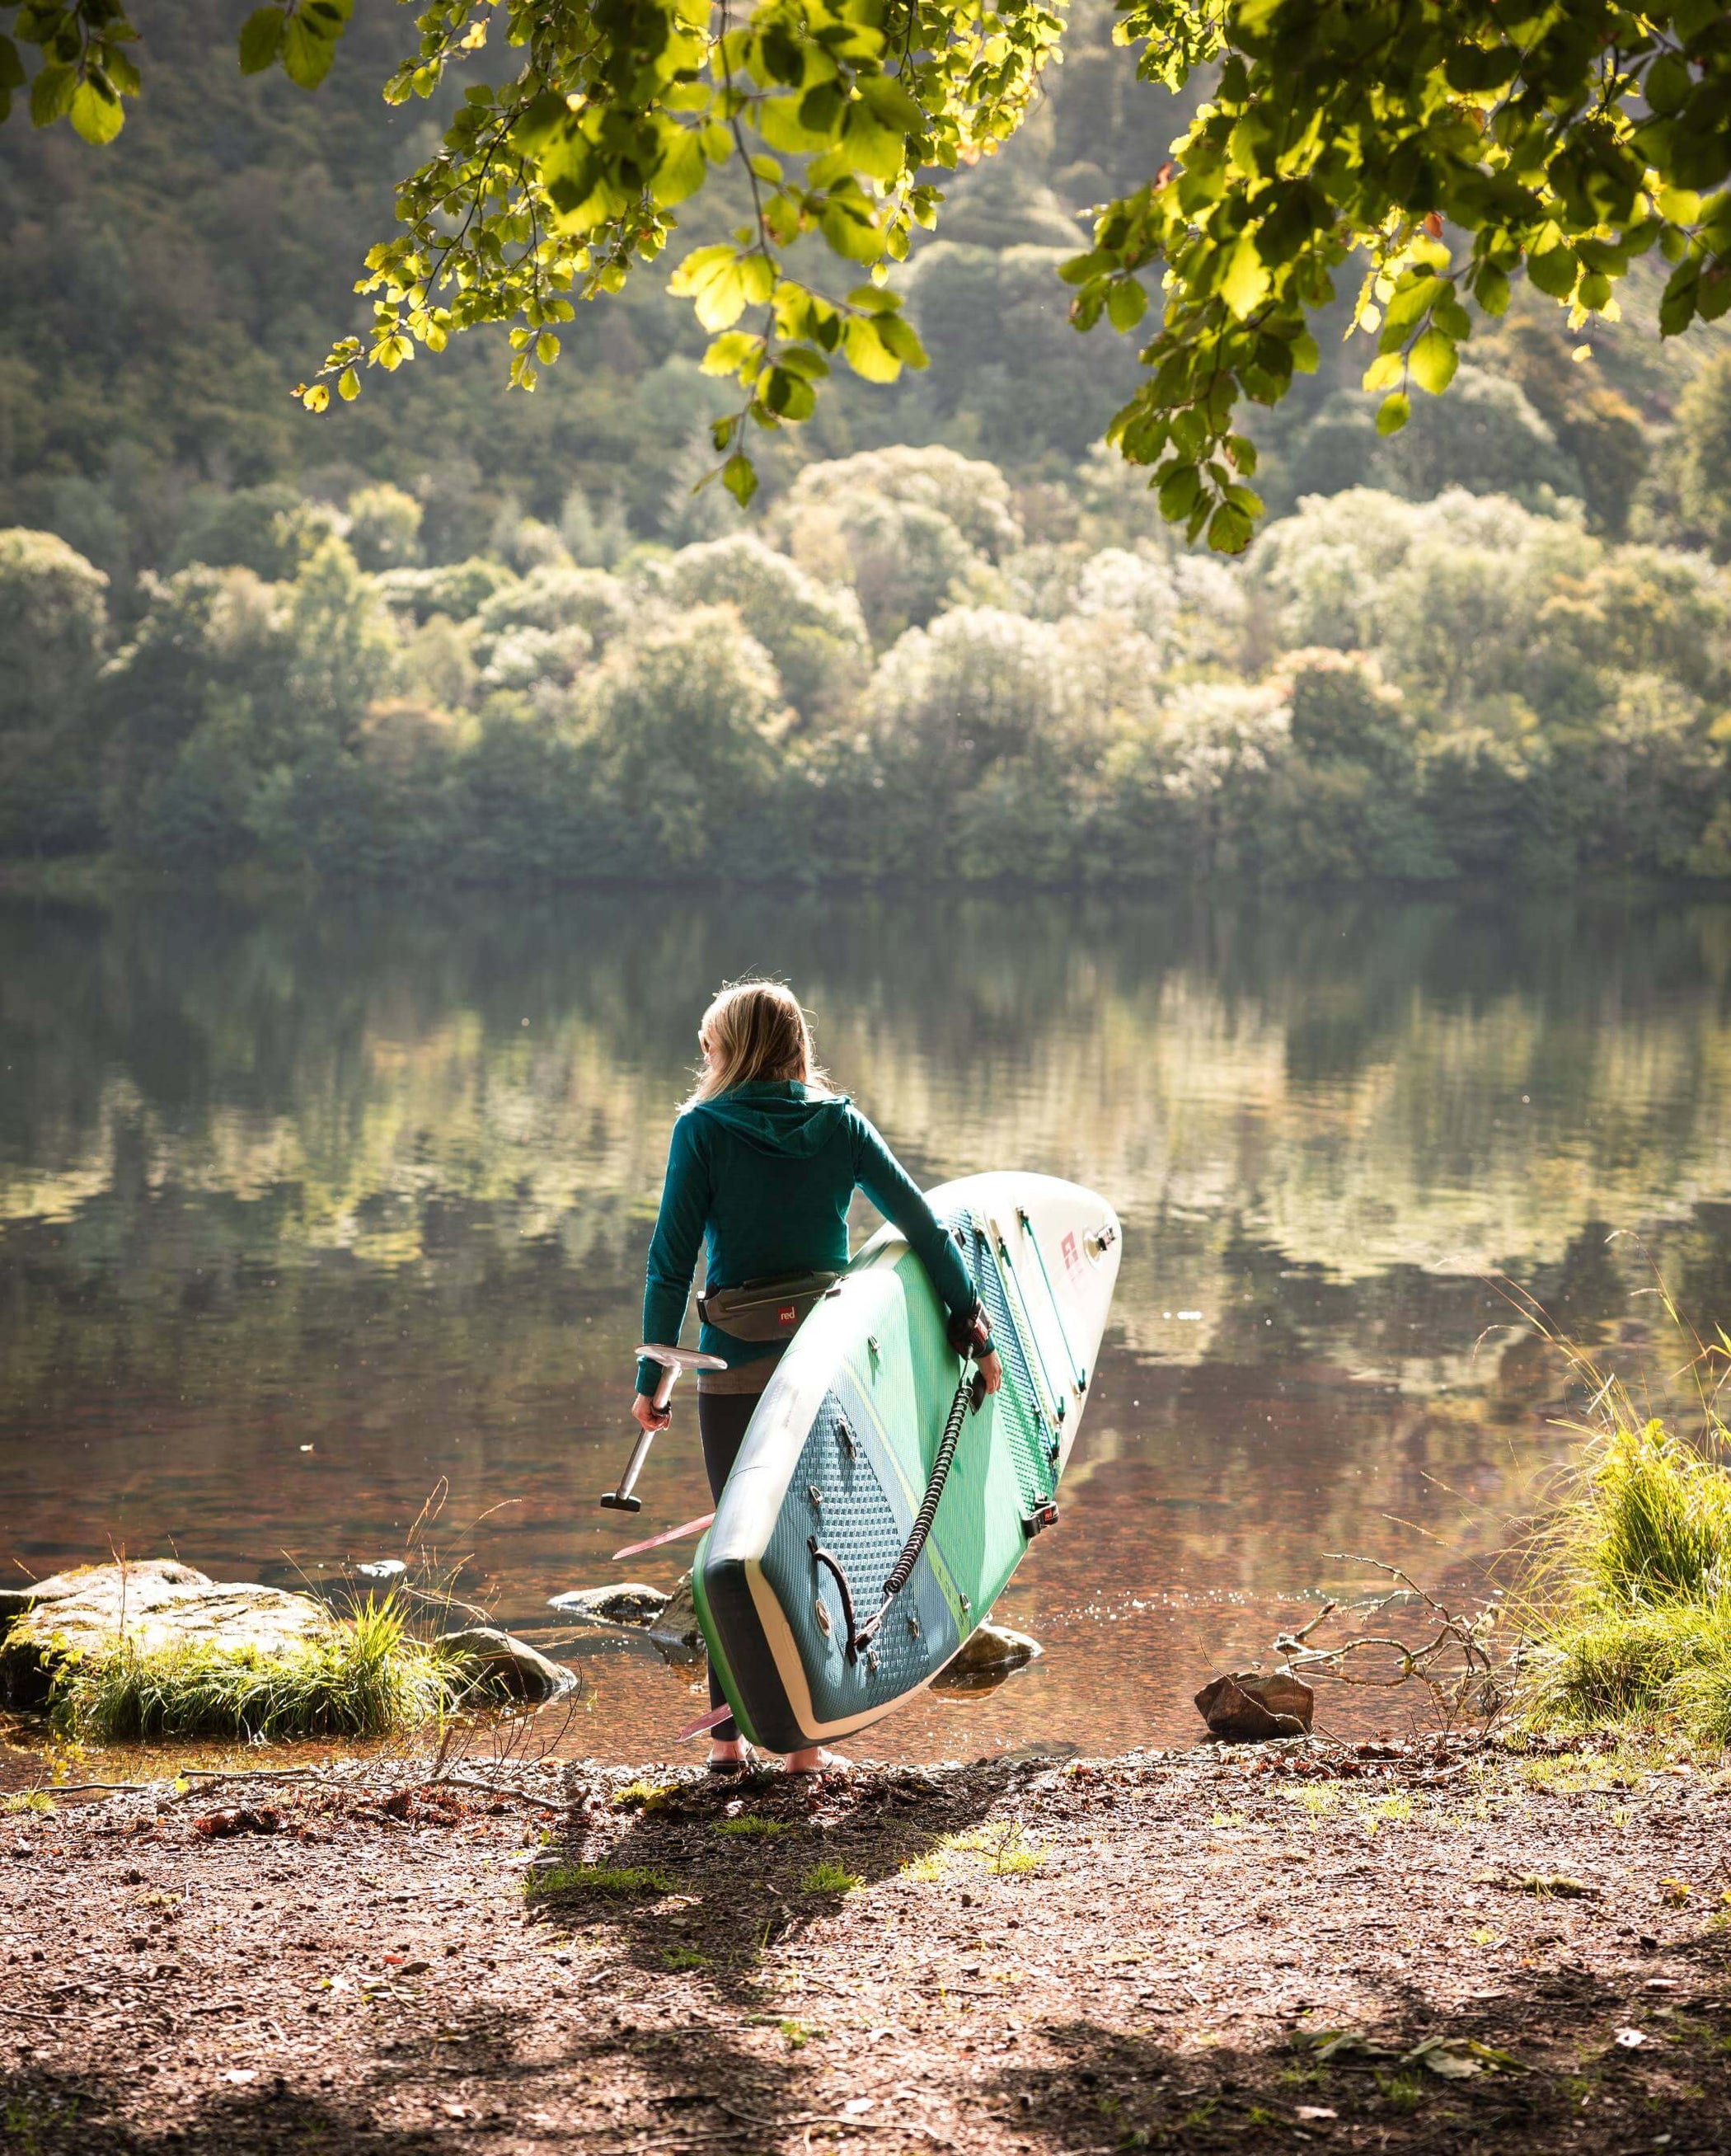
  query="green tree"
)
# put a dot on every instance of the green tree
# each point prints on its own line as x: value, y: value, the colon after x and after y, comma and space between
x: 384, y: 527
x: 1558, y: 143
x: 54, y: 618
x: 683, y: 712
x: 1703, y: 426
x: 814, y: 633
x: 53, y: 615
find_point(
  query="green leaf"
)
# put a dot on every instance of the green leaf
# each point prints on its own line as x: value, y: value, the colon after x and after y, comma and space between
x: 538, y: 121
x: 867, y: 353
x: 1434, y: 361
x: 12, y: 68
x: 348, y: 385
x: 98, y: 116
x: 782, y: 122
x: 1554, y: 271
x: 1126, y: 304
x: 681, y: 171
x: 1246, y: 279
x: 1393, y: 412
x: 877, y: 151
x: 1179, y: 490
x: 1229, y: 530
x: 52, y: 93
x: 850, y: 236
x: 891, y: 104
x: 307, y: 53
x: 897, y: 337
x: 261, y: 39
x: 737, y: 477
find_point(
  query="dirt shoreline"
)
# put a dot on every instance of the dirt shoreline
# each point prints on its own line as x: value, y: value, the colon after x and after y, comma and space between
x: 1037, y: 1955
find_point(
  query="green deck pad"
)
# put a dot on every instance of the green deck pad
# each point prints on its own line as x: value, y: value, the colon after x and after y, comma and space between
x: 1021, y: 1400
x: 862, y: 1516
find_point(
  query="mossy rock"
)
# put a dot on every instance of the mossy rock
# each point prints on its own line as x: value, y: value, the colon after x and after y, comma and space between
x: 154, y: 1608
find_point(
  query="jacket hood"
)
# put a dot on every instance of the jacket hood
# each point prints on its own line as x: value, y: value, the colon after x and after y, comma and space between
x: 782, y: 1117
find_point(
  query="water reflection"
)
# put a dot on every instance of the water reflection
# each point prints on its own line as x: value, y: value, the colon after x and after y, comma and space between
x: 302, y: 1211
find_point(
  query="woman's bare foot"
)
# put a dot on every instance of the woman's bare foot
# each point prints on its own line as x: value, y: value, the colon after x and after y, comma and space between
x: 815, y: 1760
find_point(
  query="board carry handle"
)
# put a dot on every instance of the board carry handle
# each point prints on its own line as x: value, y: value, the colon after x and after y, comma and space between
x: 673, y: 1362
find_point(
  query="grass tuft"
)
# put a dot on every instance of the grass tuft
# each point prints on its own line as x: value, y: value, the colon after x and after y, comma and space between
x: 830, y: 1877
x: 368, y: 1677
x: 1642, y: 1628
x: 753, y: 1828
x: 645, y: 1796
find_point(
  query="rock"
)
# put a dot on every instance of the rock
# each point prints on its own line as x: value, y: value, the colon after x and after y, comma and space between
x: 383, y: 1568
x: 155, y: 1605
x: 989, y: 1654
x: 674, y: 1630
x: 1252, y: 1706
x: 627, y: 1602
x: 1043, y: 1751
x: 494, y: 1661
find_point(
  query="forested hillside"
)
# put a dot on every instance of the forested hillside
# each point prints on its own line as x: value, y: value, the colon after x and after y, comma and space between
x: 451, y: 631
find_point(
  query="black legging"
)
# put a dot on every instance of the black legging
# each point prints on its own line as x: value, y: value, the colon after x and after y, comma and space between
x: 721, y: 1420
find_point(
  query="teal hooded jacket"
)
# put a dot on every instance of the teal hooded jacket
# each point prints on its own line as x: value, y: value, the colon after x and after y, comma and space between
x: 761, y: 1177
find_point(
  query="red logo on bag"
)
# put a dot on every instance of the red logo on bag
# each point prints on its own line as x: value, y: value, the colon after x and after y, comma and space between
x: 787, y: 1314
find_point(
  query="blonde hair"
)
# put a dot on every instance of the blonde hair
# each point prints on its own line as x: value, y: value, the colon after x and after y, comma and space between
x: 753, y: 1032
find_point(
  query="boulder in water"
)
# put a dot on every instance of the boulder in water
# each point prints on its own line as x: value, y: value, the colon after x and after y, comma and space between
x: 674, y: 1630
x: 989, y: 1654
x: 1252, y: 1706
x: 623, y: 1602
x: 494, y: 1660
x: 154, y: 1606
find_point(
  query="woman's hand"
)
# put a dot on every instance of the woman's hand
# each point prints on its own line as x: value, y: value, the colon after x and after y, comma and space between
x: 991, y: 1371
x: 649, y: 1416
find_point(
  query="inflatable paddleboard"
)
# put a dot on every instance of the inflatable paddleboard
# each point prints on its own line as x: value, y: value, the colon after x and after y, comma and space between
x: 837, y: 1460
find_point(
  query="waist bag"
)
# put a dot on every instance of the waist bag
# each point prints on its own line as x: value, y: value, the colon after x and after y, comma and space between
x: 766, y: 1309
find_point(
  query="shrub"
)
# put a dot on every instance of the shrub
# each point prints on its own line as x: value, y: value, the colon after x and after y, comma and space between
x: 52, y: 619
x: 682, y: 714
x: 815, y: 633
x: 384, y: 527
x: 458, y: 589
x: 557, y: 596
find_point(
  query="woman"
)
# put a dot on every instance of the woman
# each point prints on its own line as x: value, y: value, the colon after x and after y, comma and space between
x: 764, y: 1162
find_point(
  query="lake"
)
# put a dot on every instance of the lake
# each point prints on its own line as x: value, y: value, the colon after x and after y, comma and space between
x: 322, y: 1234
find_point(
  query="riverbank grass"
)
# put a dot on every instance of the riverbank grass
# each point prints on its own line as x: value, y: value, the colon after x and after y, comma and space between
x: 1640, y: 1629
x: 367, y: 1678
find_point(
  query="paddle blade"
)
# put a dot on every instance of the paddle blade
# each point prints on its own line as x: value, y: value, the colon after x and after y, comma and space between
x: 668, y: 1535
x: 712, y: 1720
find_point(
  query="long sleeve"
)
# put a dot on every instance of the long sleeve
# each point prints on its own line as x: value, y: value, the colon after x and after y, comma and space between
x: 673, y: 1248
x: 900, y: 1200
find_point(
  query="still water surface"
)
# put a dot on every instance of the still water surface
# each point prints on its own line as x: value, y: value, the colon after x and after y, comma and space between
x: 307, y: 1216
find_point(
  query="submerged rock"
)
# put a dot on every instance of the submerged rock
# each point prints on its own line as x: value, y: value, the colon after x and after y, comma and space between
x: 155, y: 1606
x: 624, y: 1602
x: 493, y: 1661
x: 989, y: 1654
x: 383, y: 1568
x: 674, y: 1630
x: 1252, y: 1706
